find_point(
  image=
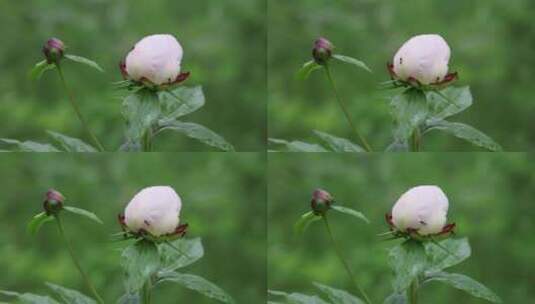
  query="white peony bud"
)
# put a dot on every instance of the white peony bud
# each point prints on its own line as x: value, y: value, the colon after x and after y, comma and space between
x: 155, y: 210
x: 424, y: 58
x: 156, y: 58
x: 422, y: 208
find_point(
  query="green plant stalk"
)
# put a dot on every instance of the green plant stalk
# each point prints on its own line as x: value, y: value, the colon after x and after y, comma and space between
x: 416, y: 140
x: 146, y: 292
x: 77, y: 109
x: 412, y: 292
x: 344, y: 109
x: 344, y: 262
x: 146, y: 141
x: 75, y: 261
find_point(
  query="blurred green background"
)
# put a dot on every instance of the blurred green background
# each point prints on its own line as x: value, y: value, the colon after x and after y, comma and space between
x: 491, y: 200
x: 223, y: 201
x: 224, y: 48
x: 492, y: 49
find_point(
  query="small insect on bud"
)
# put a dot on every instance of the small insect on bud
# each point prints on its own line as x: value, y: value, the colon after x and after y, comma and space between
x: 322, y: 51
x: 321, y: 201
x: 53, y: 202
x: 53, y: 50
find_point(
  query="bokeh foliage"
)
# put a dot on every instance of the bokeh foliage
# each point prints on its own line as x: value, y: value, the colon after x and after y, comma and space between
x: 224, y: 45
x: 223, y: 202
x: 490, y: 200
x: 492, y: 49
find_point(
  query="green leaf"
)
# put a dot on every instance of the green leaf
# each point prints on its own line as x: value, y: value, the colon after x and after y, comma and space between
x: 410, y: 111
x: 398, y: 146
x: 29, y: 298
x: 198, y: 284
x: 408, y: 261
x: 339, y: 144
x: 182, y: 253
x: 141, y: 111
x: 458, y: 250
x: 298, y: 146
x: 131, y: 146
x: 466, y: 132
x: 297, y: 298
x: 307, y: 69
x: 29, y: 146
x: 351, y: 212
x: 338, y: 296
x: 85, y: 61
x: 82, y: 212
x: 198, y: 132
x: 129, y: 298
x: 304, y: 221
x: 449, y: 101
x: 71, y: 144
x: 140, y: 261
x: 37, y: 222
x: 181, y: 101
x: 40, y: 68
x: 396, y: 298
x: 466, y: 284
x: 70, y: 296
x: 352, y: 61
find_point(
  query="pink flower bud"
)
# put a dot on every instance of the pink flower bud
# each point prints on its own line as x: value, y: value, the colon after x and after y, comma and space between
x: 53, y: 202
x: 423, y: 59
x: 322, y: 50
x: 155, y: 58
x: 155, y: 210
x: 321, y: 201
x: 422, y: 209
x: 53, y: 50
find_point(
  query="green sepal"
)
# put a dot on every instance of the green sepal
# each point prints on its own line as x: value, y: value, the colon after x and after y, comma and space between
x: 304, y: 222
x: 38, y: 221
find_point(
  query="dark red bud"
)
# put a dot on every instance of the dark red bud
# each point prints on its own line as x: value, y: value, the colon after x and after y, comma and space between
x: 321, y: 201
x: 322, y: 50
x: 53, y: 202
x: 53, y: 50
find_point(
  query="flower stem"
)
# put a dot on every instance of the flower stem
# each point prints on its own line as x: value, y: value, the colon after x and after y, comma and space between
x: 77, y: 109
x: 146, y: 292
x: 344, y: 262
x: 75, y: 261
x: 346, y: 113
x: 416, y: 140
x: 412, y: 292
x: 146, y: 141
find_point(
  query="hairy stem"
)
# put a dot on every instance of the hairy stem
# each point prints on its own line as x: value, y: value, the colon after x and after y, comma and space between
x: 344, y: 262
x: 76, y: 263
x: 344, y: 109
x: 77, y: 109
x: 412, y: 292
